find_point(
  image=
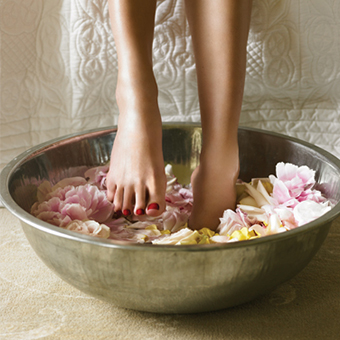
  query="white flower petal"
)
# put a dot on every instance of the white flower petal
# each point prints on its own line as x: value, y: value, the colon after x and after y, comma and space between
x: 308, y: 211
x: 258, y: 197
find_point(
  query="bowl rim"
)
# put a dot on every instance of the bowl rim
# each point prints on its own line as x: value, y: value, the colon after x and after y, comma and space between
x: 16, y: 210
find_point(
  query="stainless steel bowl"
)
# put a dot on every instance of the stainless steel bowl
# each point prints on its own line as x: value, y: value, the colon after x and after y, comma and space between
x: 169, y: 279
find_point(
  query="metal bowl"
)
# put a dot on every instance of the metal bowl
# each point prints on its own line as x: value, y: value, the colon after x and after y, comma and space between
x: 169, y: 279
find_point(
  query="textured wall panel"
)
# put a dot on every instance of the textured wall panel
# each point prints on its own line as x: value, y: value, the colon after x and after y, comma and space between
x: 59, y: 70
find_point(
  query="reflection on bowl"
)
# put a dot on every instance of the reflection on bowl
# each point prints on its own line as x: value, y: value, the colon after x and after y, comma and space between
x: 170, y: 279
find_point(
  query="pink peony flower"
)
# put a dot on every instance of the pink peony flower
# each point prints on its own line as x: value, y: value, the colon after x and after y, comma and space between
x: 230, y: 222
x: 92, y: 228
x: 93, y: 200
x: 180, y: 200
x: 174, y: 220
x: 74, y: 203
x: 294, y: 176
x: 285, y: 215
x: 311, y: 195
x: 97, y: 176
x: 282, y: 194
x: 292, y: 184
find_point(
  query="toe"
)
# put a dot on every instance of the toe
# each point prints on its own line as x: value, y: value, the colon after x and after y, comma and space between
x: 156, y: 198
x: 118, y: 199
x: 111, y: 193
x: 129, y: 194
x: 140, y: 200
x: 156, y: 206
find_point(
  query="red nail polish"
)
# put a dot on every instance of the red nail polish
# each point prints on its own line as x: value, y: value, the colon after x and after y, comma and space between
x: 126, y: 212
x: 140, y: 212
x: 154, y: 206
x: 118, y: 213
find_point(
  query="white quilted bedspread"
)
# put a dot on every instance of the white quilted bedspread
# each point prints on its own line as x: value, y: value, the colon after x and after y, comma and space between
x: 58, y: 70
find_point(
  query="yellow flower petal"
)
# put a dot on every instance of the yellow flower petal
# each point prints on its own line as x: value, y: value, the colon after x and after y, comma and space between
x: 206, y: 231
x: 151, y: 227
x: 188, y: 242
x: 191, y: 239
x: 204, y: 240
x: 243, y: 234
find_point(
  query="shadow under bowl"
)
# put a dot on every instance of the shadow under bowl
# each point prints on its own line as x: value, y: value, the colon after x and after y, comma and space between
x: 169, y: 279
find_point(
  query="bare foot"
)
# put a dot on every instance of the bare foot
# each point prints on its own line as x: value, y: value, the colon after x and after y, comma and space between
x: 213, y: 184
x: 136, y: 179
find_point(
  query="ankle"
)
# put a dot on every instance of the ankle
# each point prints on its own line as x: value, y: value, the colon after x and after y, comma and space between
x: 217, y: 148
x: 141, y: 85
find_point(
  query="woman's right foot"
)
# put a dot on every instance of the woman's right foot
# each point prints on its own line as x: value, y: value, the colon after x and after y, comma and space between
x: 136, y: 179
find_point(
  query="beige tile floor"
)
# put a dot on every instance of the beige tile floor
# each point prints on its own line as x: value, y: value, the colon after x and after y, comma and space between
x: 36, y: 304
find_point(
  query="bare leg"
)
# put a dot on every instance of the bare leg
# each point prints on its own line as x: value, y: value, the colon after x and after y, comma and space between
x: 219, y: 31
x: 136, y: 177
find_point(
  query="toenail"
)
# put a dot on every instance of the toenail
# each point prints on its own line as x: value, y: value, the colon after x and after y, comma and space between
x: 154, y: 206
x: 126, y: 212
x: 118, y: 213
x: 140, y: 212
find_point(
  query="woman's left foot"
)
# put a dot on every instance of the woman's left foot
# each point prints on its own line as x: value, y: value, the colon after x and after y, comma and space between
x: 213, y: 184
